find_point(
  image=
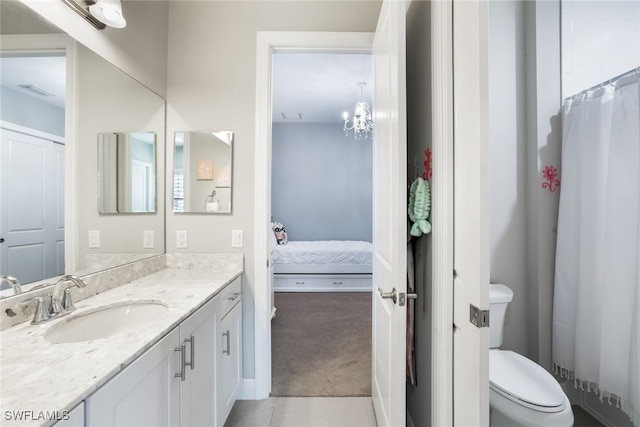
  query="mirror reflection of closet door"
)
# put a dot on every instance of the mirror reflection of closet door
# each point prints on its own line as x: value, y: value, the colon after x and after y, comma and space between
x: 32, y: 207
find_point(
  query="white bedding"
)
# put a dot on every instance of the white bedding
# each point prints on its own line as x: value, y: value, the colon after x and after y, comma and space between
x: 323, y: 252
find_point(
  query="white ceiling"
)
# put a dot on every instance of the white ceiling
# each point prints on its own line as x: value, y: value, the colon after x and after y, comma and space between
x: 46, y: 72
x: 319, y: 86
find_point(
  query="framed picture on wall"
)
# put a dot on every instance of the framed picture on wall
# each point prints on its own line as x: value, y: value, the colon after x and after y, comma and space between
x: 205, y: 170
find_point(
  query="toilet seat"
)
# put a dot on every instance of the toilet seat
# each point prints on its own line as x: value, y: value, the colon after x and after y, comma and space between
x: 524, y: 382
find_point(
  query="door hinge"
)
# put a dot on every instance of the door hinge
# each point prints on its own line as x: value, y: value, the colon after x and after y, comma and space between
x: 480, y: 318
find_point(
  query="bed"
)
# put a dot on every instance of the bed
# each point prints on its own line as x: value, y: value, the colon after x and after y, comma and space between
x: 322, y: 266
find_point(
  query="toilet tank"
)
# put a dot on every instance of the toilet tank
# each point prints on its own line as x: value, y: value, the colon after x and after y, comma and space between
x: 499, y: 297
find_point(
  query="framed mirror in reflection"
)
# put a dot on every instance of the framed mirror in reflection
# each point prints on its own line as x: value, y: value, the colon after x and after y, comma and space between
x: 203, y: 171
x: 126, y: 172
x: 53, y: 178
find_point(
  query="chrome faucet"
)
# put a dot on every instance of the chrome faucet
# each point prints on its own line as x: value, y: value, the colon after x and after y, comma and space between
x: 13, y: 282
x: 56, y: 308
x: 67, y: 304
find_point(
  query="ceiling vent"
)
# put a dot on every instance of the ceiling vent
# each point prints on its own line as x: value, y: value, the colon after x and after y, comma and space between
x: 37, y: 90
x: 292, y: 116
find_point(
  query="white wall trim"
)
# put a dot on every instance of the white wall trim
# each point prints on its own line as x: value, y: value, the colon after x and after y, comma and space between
x: 442, y: 213
x: 33, y: 132
x: 34, y: 43
x: 267, y: 43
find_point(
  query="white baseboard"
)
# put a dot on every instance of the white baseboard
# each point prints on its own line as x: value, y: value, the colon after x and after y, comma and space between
x: 247, y: 389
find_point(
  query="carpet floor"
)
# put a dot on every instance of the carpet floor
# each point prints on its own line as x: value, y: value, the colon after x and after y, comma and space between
x: 321, y: 344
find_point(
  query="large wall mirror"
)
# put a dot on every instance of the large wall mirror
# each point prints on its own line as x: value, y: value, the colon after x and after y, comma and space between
x: 34, y: 117
x: 203, y: 170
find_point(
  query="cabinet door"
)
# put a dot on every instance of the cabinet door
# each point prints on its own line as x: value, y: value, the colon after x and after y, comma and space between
x: 146, y: 393
x: 197, y: 391
x: 74, y: 418
x: 230, y: 361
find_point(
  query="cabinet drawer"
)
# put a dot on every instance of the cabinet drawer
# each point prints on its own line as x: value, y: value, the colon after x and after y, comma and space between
x: 229, y: 297
x: 319, y: 283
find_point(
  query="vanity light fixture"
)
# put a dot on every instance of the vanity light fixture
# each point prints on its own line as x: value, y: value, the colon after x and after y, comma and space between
x: 99, y: 13
x: 109, y: 12
x: 362, y: 124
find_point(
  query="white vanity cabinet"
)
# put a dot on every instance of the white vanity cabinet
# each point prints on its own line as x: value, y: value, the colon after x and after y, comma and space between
x: 145, y: 393
x: 229, y: 354
x: 189, y: 378
x: 198, y: 362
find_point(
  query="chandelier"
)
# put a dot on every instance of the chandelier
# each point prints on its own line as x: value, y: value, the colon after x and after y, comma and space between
x: 362, y: 124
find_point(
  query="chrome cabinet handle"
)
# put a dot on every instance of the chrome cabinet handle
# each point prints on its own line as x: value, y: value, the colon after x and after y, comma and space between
x: 234, y: 296
x: 393, y: 295
x: 183, y: 361
x: 228, y: 350
x: 191, y: 363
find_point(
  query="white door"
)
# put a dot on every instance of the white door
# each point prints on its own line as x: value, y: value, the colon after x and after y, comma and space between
x: 32, y: 215
x: 389, y: 217
x: 471, y: 214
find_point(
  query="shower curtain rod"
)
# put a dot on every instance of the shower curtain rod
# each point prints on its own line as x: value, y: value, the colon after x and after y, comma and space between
x: 607, y: 82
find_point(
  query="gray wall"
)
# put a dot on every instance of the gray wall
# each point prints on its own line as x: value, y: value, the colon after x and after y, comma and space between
x: 212, y: 85
x: 321, y: 183
x: 508, y: 151
x: 29, y: 112
x: 524, y: 101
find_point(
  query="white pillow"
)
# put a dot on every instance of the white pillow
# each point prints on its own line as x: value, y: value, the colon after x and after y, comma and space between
x: 273, y: 242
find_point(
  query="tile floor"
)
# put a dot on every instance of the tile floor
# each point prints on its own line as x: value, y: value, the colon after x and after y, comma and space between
x: 582, y: 418
x: 303, y: 412
x: 326, y: 412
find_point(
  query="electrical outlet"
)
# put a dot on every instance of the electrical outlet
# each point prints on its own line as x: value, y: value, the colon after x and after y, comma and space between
x: 236, y: 239
x: 94, y: 238
x: 148, y: 238
x: 181, y: 239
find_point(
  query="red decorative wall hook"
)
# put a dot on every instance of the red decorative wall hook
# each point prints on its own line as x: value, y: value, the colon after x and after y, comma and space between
x: 550, y: 174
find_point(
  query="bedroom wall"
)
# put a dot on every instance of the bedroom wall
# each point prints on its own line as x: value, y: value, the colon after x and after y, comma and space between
x: 321, y: 187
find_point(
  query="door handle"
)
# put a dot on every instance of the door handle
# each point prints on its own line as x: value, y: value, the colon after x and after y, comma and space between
x: 183, y: 361
x: 393, y: 295
x: 191, y: 363
x: 228, y: 350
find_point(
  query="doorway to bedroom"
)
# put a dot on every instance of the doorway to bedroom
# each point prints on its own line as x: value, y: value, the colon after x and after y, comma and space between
x: 321, y: 214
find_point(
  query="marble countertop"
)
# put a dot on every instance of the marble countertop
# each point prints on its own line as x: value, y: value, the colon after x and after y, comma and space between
x: 36, y: 375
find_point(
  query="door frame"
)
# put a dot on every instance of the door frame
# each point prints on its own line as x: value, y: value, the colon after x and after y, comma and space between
x: 472, y: 212
x: 267, y: 43
x: 442, y: 214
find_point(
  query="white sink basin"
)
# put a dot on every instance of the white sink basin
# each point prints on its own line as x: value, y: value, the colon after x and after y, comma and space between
x: 105, y: 321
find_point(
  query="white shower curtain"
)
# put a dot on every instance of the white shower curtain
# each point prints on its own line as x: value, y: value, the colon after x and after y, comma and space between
x: 596, y: 310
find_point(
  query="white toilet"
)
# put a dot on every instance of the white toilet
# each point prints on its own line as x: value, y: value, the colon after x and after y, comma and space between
x: 522, y: 393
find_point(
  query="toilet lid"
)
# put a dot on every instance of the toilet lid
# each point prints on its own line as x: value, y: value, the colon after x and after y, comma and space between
x: 517, y: 377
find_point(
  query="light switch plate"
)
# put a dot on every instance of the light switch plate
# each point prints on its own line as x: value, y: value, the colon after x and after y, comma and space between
x: 148, y: 239
x: 237, y: 238
x: 181, y: 239
x: 94, y: 239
